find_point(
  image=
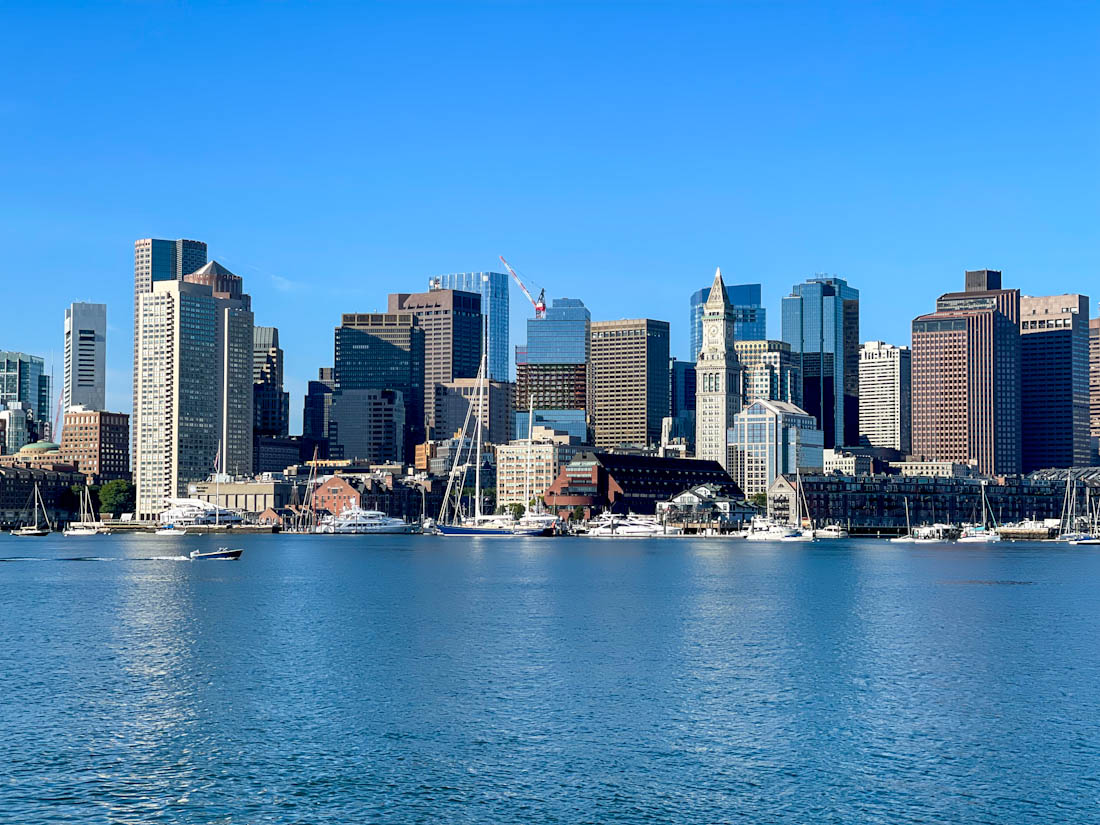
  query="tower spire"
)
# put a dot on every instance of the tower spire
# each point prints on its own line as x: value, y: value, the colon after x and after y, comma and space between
x: 717, y: 298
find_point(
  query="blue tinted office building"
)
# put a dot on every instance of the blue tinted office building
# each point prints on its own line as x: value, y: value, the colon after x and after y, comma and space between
x: 552, y: 369
x: 493, y: 288
x: 749, y: 317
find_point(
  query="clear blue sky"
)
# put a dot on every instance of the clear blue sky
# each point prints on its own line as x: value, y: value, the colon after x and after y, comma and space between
x: 331, y: 153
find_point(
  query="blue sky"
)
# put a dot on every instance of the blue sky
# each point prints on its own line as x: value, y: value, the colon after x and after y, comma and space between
x: 331, y: 153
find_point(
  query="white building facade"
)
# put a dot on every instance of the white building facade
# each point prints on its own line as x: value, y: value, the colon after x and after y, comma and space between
x: 85, y: 357
x: 769, y: 438
x: 525, y: 470
x: 885, y: 396
x: 718, y: 377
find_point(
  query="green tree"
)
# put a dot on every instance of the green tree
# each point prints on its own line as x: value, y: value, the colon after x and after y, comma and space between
x: 516, y: 509
x: 578, y: 513
x: 759, y: 500
x: 117, y: 497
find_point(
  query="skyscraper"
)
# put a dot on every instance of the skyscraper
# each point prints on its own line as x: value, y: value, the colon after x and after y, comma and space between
x: 630, y: 392
x: 234, y: 319
x: 966, y: 376
x: 885, y: 396
x: 552, y: 370
x: 85, y: 356
x: 384, y: 351
x: 821, y: 323
x: 23, y: 378
x: 317, y: 412
x: 452, y: 324
x: 717, y: 377
x: 176, y: 420
x: 368, y: 425
x: 493, y: 288
x: 271, y: 403
x: 749, y: 316
x: 1054, y: 381
x: 771, y: 438
x: 1094, y: 389
x: 768, y: 372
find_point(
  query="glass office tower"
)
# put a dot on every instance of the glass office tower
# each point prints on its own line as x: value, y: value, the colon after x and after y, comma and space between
x: 552, y: 370
x: 749, y: 317
x: 493, y: 288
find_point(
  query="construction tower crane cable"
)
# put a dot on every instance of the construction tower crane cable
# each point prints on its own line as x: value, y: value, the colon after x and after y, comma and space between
x: 538, y: 303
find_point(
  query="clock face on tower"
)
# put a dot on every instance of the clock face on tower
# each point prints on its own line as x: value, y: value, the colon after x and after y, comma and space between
x: 712, y: 333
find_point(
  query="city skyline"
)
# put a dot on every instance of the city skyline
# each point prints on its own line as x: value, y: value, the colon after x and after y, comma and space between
x: 772, y: 153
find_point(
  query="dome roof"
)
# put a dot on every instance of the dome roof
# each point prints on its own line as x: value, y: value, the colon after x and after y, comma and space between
x: 40, y: 447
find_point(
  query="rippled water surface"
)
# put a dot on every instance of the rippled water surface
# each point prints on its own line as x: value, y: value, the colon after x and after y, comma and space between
x: 409, y: 679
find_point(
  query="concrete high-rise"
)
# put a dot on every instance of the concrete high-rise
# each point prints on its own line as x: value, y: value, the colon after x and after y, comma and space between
x: 384, y: 351
x: 234, y: 328
x: 749, y: 316
x: 1054, y: 381
x: 768, y: 372
x: 493, y: 289
x: 629, y: 380
x: 1094, y: 390
x: 885, y: 396
x: 85, y: 381
x: 552, y: 371
x: 966, y: 376
x: 455, y: 399
x: 717, y: 377
x: 453, y: 328
x: 821, y: 323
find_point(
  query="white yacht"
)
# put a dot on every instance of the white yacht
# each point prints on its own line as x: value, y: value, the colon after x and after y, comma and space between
x: 188, y: 512
x: 762, y: 528
x: 831, y: 531
x: 356, y: 520
x: 546, y: 524
x: 610, y: 524
x: 88, y: 525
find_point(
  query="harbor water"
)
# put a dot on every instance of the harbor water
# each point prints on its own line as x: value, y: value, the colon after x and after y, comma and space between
x: 407, y: 679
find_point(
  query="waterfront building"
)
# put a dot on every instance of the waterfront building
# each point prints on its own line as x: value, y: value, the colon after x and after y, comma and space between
x: 97, y: 442
x: 17, y: 483
x: 493, y: 288
x: 525, y: 470
x: 235, y: 359
x: 367, y: 425
x: 769, y: 438
x: 768, y: 372
x: 552, y: 370
x: 628, y: 483
x: 253, y: 496
x: 821, y: 323
x: 455, y: 399
x: 749, y: 316
x: 1054, y: 381
x: 23, y: 378
x: 717, y: 377
x: 385, y: 351
x: 871, y: 503
x: 885, y: 396
x: 966, y: 376
x: 630, y: 381
x: 1094, y: 390
x: 933, y: 468
x: 452, y: 323
x: 707, y: 506
x: 85, y: 357
x: 271, y: 404
x: 316, y: 410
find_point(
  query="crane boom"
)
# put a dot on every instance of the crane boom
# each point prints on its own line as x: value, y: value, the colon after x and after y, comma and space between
x: 538, y: 303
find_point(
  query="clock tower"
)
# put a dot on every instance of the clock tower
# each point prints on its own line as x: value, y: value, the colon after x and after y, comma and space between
x: 717, y: 377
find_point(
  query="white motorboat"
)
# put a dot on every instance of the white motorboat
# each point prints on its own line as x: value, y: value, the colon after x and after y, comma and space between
x: 628, y: 526
x: 762, y: 528
x: 356, y: 521
x: 170, y: 530
x: 831, y: 531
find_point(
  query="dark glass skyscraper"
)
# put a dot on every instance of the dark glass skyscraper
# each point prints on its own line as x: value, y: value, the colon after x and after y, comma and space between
x: 821, y: 323
x: 749, y: 317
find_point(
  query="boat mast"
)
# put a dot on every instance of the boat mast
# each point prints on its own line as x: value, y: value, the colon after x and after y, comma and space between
x: 480, y: 410
x: 530, y: 434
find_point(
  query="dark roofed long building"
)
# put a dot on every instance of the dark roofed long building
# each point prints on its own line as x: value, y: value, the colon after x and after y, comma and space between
x: 629, y: 483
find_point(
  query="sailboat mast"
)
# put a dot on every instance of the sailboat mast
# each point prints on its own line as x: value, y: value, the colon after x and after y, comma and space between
x: 480, y: 410
x: 530, y: 434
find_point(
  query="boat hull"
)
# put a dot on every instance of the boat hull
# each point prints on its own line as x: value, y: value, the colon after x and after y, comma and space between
x: 217, y: 554
x: 459, y: 530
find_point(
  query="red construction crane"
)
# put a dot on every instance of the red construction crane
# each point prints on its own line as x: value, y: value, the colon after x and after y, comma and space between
x: 538, y: 303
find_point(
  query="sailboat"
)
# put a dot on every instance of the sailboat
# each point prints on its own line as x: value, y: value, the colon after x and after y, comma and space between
x: 798, y: 532
x: 1068, y: 529
x: 36, y: 530
x: 981, y: 532
x: 451, y: 521
x: 88, y: 525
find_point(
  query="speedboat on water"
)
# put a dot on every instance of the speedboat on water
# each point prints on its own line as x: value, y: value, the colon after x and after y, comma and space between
x: 220, y: 553
x: 356, y: 521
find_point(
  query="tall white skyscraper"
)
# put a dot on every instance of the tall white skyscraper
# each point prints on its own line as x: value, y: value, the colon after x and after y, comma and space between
x: 194, y: 385
x: 717, y: 375
x: 885, y: 412
x: 85, y: 356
